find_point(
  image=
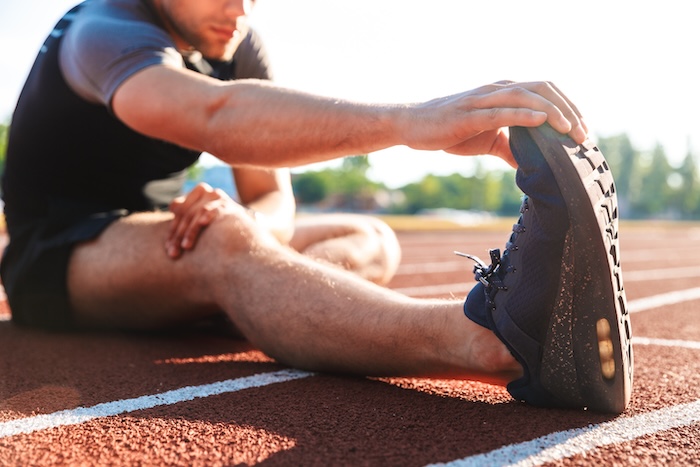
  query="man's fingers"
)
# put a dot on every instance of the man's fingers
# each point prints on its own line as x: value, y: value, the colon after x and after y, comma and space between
x: 491, y: 118
x: 178, y: 227
x: 562, y: 114
x: 185, y: 210
x: 512, y: 97
x: 567, y: 108
x: 581, y: 121
x: 199, y: 223
x: 568, y: 101
x: 192, y: 223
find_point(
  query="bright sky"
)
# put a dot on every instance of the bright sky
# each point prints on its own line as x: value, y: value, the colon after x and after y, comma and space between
x: 630, y: 66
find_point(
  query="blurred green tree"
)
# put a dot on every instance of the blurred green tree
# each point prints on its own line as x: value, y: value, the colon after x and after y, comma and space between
x: 652, y: 192
x: 310, y: 187
x: 689, y: 189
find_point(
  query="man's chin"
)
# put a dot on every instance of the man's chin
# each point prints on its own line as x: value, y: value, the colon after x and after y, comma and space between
x: 225, y: 53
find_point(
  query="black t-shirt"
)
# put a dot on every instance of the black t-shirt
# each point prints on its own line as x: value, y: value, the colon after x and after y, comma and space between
x: 68, y: 156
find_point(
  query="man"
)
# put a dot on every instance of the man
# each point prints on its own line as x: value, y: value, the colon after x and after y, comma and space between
x: 126, y: 93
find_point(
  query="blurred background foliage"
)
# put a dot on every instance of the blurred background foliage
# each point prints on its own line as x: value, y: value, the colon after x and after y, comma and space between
x: 648, y: 186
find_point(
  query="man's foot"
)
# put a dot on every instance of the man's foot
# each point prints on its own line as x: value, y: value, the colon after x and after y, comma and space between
x: 555, y: 297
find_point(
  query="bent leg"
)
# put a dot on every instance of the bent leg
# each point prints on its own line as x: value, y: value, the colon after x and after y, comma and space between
x: 362, y: 244
x: 299, y: 311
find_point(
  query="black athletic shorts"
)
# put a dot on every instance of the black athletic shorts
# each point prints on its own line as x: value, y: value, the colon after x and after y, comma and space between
x: 35, y: 265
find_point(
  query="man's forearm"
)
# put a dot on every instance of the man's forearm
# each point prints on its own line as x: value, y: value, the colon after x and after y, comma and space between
x: 252, y: 123
x: 275, y: 212
x: 257, y: 124
x: 268, y: 193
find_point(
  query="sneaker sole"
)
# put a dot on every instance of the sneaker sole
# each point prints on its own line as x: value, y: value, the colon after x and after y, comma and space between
x: 599, y: 333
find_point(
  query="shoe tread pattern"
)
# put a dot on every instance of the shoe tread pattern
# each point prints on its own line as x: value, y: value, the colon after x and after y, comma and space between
x: 586, y: 182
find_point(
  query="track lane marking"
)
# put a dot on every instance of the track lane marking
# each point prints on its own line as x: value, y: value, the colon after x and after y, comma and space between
x: 634, y: 306
x: 683, y: 272
x: 668, y: 298
x: 657, y: 274
x: 565, y: 444
x: 108, y: 409
x: 694, y: 345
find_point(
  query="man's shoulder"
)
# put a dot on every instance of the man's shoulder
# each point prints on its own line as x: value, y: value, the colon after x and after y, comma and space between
x: 107, y: 42
x: 102, y: 22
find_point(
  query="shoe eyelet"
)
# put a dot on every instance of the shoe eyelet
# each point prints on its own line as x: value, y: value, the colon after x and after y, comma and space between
x: 524, y: 206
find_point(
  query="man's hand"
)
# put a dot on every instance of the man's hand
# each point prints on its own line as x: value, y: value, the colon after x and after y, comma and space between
x: 193, y: 213
x: 474, y: 122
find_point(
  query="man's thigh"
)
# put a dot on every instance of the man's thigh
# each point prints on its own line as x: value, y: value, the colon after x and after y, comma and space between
x: 125, y: 279
x: 34, y: 267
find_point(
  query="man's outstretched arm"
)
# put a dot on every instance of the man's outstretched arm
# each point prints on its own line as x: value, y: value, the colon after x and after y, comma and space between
x: 255, y: 123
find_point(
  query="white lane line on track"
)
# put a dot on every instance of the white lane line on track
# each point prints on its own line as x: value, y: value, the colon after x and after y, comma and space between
x: 634, y: 306
x: 668, y: 298
x: 109, y: 409
x: 656, y: 274
x: 628, y: 276
x: 660, y: 255
x: 565, y: 444
x: 694, y: 345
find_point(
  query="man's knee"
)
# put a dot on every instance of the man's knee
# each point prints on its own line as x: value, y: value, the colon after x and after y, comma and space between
x: 385, y: 255
x: 390, y: 248
x: 385, y: 233
x: 236, y: 232
x: 362, y: 244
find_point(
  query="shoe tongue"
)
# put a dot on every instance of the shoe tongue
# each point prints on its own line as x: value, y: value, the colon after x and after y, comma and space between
x: 525, y: 151
x: 534, y: 176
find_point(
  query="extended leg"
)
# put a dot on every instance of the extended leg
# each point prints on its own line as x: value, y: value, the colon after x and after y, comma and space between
x: 301, y: 312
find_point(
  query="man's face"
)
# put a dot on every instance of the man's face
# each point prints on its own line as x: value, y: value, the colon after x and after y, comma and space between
x: 215, y: 28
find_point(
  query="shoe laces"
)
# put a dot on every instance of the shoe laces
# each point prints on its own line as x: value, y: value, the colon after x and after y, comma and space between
x: 492, y: 275
x: 486, y: 273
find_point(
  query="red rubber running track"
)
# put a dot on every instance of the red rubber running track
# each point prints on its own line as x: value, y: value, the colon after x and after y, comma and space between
x: 198, y: 397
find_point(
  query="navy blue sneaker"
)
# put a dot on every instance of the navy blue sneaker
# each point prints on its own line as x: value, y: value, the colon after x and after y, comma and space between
x: 555, y: 296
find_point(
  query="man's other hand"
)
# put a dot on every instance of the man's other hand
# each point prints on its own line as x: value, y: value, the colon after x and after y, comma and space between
x: 193, y: 212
